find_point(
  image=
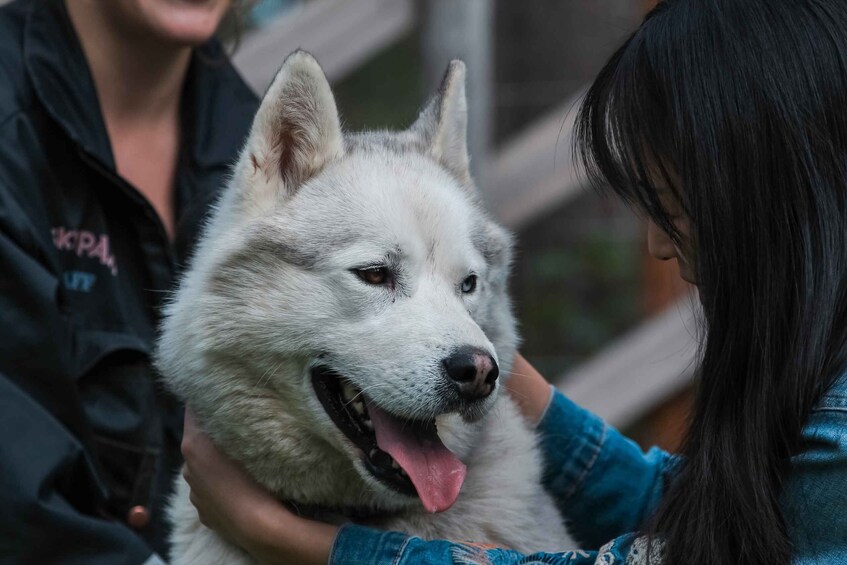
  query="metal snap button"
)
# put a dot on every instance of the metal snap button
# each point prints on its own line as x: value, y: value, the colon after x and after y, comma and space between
x: 138, y: 517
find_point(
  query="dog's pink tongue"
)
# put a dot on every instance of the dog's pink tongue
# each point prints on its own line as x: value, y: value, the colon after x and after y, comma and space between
x: 436, y: 473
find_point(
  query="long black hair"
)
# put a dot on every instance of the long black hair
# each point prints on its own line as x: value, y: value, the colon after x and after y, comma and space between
x: 740, y: 106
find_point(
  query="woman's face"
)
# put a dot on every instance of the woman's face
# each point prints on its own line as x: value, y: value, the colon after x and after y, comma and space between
x: 180, y: 22
x: 662, y: 247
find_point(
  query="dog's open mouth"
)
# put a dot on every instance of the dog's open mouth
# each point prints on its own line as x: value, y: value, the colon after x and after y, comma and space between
x: 405, y: 455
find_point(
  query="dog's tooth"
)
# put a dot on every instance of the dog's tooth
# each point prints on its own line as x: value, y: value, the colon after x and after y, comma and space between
x: 394, y: 464
x: 359, y: 407
x: 348, y: 391
x: 373, y: 453
x: 368, y: 424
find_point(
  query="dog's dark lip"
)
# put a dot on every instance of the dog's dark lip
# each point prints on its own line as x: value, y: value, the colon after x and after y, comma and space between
x: 327, y: 385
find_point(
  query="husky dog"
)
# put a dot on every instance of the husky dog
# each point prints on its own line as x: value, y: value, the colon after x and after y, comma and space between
x: 344, y: 330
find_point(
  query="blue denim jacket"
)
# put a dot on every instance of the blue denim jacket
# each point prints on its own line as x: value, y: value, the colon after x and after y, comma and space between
x: 605, y: 486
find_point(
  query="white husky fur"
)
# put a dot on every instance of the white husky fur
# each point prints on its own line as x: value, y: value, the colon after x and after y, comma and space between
x: 270, y: 294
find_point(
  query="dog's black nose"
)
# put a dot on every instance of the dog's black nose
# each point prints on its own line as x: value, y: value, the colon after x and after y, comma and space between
x: 473, y: 371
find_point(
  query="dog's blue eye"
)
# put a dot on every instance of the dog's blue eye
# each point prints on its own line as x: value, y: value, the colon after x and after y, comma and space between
x: 469, y: 284
x: 374, y: 275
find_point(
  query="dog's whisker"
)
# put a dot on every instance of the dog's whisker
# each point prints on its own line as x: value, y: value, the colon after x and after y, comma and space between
x: 361, y: 392
x: 269, y: 374
x: 513, y: 392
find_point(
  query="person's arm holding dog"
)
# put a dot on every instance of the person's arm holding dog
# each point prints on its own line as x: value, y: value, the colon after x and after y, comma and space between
x: 530, y: 391
x: 232, y: 504
x: 602, y: 482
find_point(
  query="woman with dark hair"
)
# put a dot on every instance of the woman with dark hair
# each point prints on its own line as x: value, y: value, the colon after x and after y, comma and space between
x: 725, y: 123
x: 118, y: 123
x: 735, y: 145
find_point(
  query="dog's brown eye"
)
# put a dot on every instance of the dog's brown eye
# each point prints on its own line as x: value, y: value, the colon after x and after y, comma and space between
x: 375, y: 275
x: 469, y: 284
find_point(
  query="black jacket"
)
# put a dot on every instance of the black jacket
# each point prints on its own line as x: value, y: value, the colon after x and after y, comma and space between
x: 87, y: 435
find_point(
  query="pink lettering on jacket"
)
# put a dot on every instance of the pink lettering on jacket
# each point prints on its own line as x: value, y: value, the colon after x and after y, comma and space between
x: 85, y: 243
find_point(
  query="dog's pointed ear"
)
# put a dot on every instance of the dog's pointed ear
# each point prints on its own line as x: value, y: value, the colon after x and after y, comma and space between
x: 296, y: 132
x: 443, y: 123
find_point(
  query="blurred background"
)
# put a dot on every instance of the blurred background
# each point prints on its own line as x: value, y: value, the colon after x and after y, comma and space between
x: 603, y: 321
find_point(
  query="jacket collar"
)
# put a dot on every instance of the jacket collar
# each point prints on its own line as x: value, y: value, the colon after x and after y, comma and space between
x: 61, y: 79
x: 217, y: 105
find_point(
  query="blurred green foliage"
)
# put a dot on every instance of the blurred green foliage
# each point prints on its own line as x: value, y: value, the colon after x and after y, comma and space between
x: 576, y: 286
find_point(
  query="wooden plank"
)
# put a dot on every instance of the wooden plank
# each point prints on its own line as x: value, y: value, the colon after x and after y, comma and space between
x: 342, y: 34
x: 637, y: 372
x: 534, y: 173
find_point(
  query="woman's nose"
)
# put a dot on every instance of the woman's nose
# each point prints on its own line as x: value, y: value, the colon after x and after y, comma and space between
x: 659, y: 244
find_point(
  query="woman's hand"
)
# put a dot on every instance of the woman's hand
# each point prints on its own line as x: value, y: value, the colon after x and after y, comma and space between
x: 231, y: 503
x: 529, y: 390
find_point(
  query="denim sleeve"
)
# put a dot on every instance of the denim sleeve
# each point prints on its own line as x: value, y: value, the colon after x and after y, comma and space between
x: 602, y: 482
x: 355, y: 545
x: 815, y: 495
